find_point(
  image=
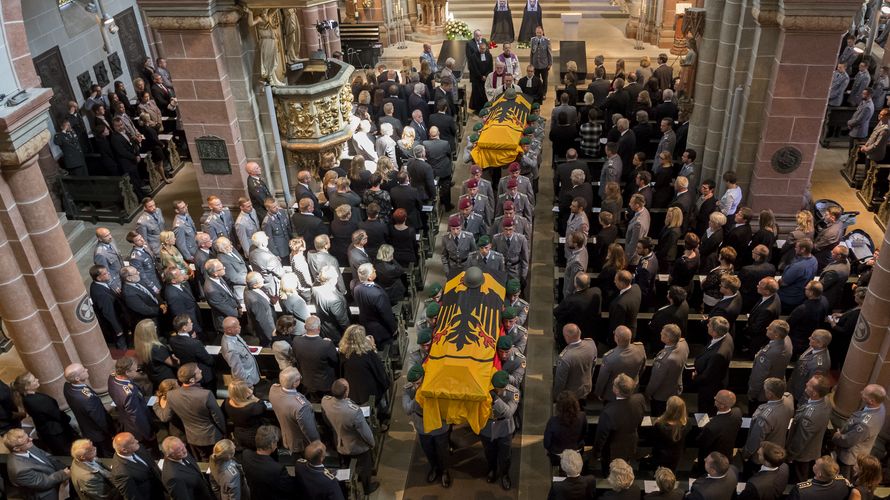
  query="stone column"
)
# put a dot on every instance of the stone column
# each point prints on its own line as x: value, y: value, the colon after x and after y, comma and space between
x: 664, y: 34
x: 796, y: 102
x: 42, y: 298
x: 704, y: 77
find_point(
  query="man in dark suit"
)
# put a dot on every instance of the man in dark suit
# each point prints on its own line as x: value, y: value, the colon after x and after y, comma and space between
x: 579, y: 189
x: 180, y: 300
x: 683, y: 200
x: 627, y: 146
x: 141, y: 303
x: 445, y: 123
x: 616, y: 433
x: 664, y: 73
x: 305, y: 223
x: 532, y: 85
x: 266, y: 477
x: 739, y: 237
x: 563, y: 135
x: 438, y: 152
x: 418, y: 123
x: 375, y: 228
x: 108, y: 308
x: 719, y: 434
x: 730, y: 305
x: 163, y: 96
x: 643, y: 131
x: 712, y: 366
x: 374, y: 309
x: 624, y: 308
x: 408, y: 198
x: 581, y: 307
x: 220, y: 296
x: 94, y: 421
x: 357, y: 255
x: 574, y: 485
x: 127, y: 155
x: 132, y: 412
x: 234, y: 263
x: 388, y: 116
x: 421, y: 173
x: 330, y: 304
x: 676, y: 313
x: 472, y: 49
x: 417, y: 101
x: 181, y: 475
x: 618, y: 101
x: 633, y: 87
x: 191, y: 350
x: 400, y: 108
x: 751, y: 275
x: 770, y: 481
x: 705, y: 206
x: 304, y: 190
x: 563, y: 175
x: 322, y: 257
x: 764, y: 312
x: 599, y: 87
x: 682, y: 133
x: 317, y: 358
x: 720, y: 482
x: 259, y: 308
x: 257, y: 189
x: 133, y: 472
x: 33, y: 473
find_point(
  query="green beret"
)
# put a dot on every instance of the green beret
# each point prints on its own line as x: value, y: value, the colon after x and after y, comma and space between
x: 424, y: 336
x: 432, y: 309
x: 477, y: 127
x: 509, y: 313
x: 505, y: 343
x: 433, y: 289
x: 532, y: 118
x: 513, y: 286
x: 484, y: 240
x: 483, y: 112
x: 486, y: 105
x: 415, y: 373
x: 474, y: 138
x: 500, y: 379
x: 528, y: 131
x: 525, y: 140
x: 536, y: 105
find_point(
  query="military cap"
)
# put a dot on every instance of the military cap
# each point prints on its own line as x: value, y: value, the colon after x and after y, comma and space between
x: 500, y: 379
x: 513, y: 286
x: 464, y: 203
x: 474, y: 138
x: 509, y: 312
x: 477, y: 127
x: 512, y: 183
x: 484, y: 240
x: 432, y: 309
x: 525, y: 140
x: 454, y: 221
x: 504, y: 343
x: 472, y: 183
x: 424, y: 335
x: 528, y: 131
x: 415, y: 373
x: 475, y: 169
x: 433, y: 289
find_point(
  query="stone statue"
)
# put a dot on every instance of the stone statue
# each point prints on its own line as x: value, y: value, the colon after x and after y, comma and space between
x: 687, y: 68
x: 291, y: 35
x: 266, y: 25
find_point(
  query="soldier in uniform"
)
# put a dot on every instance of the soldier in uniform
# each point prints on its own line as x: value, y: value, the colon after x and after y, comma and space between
x: 521, y: 225
x: 433, y: 442
x: 521, y: 203
x: 293, y: 411
x: 263, y: 261
x: 808, y: 428
x: 574, y: 369
x: 514, y: 248
x: 497, y: 435
x: 144, y: 260
x: 627, y: 357
x: 419, y: 355
x: 483, y: 184
x: 313, y: 480
x: 666, y: 379
x: 482, y: 204
x: 456, y: 247
x: 276, y: 225
x: 576, y: 244
x: 150, y: 224
x: 257, y: 188
x: 826, y: 485
x: 247, y: 223
x: 770, y: 362
x: 815, y: 360
x: 512, y: 361
x: 434, y: 294
x: 93, y: 419
x: 512, y: 330
x: 577, y: 222
x: 487, y: 259
x: 431, y: 313
x: 132, y: 412
x: 470, y: 220
x: 769, y: 422
x: 617, y: 431
x: 108, y: 256
x: 218, y: 222
x: 352, y: 432
x: 513, y: 289
x: 185, y: 231
x: 858, y: 435
x: 523, y: 183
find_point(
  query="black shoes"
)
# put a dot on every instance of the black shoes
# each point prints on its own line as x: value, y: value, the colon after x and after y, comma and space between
x: 432, y: 475
x: 372, y: 487
x: 505, y: 482
x: 490, y: 477
x: 446, y: 479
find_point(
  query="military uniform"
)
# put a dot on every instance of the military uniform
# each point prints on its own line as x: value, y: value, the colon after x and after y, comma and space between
x: 497, y: 435
x: 485, y: 190
x: 771, y: 361
x: 185, y: 231
x: 107, y: 255
x: 810, y: 363
x: 144, y: 262
x: 493, y: 263
x: 455, y: 251
x: 482, y: 205
x: 521, y: 225
x: 519, y: 336
x: 245, y: 225
x: 574, y: 369
x: 434, y: 442
x: 218, y: 224
x: 524, y: 186
x: 858, y: 435
x: 415, y: 358
x: 666, y: 378
x: 838, y: 489
x: 629, y: 360
x: 806, y: 435
x: 769, y: 423
x: 353, y: 434
x: 576, y: 222
x: 316, y: 481
x: 515, y: 252
x: 150, y: 225
x: 521, y: 204
x: 521, y: 307
x: 515, y: 366
x: 277, y: 228
x: 474, y: 224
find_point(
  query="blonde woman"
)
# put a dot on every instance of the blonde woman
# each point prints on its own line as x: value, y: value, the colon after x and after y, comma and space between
x: 171, y: 425
x: 226, y: 475
x: 246, y: 413
x: 621, y: 479
x: 299, y: 265
x: 170, y: 256
x: 644, y: 71
x: 671, y: 429
x: 362, y: 367
x: 805, y: 229
x: 328, y: 185
x: 156, y: 359
x: 405, y: 146
x: 666, y: 251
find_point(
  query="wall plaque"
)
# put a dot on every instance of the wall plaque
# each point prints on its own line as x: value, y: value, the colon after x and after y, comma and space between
x: 213, y: 155
x: 786, y: 159
x: 114, y: 61
x: 51, y: 69
x: 101, y: 73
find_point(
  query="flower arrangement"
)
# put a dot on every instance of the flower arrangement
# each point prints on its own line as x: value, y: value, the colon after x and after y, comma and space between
x: 455, y: 29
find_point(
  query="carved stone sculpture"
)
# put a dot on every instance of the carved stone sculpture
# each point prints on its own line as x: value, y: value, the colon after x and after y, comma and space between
x: 267, y: 24
x: 291, y: 34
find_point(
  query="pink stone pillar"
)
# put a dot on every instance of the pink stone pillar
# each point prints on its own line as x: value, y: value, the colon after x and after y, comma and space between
x: 309, y: 16
x: 796, y: 101
x: 333, y: 37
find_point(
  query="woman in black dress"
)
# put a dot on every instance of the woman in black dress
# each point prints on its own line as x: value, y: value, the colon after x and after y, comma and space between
x: 376, y: 194
x: 765, y: 235
x: 565, y: 429
x: 246, y: 412
x: 156, y: 359
x: 502, y: 23
x: 615, y: 261
x: 403, y: 239
x: 532, y: 17
x: 866, y: 477
x: 359, y: 176
x: 342, y: 228
x: 684, y: 269
x: 670, y: 434
x: 363, y: 369
x: 663, y: 189
x: 390, y: 274
x: 666, y: 251
x: 710, y: 286
x: 52, y: 424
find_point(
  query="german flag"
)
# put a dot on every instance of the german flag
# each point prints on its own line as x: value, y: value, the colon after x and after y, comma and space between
x: 463, y: 356
x: 498, y: 142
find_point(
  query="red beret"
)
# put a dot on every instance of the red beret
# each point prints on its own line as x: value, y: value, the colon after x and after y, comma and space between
x: 464, y: 203
x: 454, y: 221
x: 475, y: 169
x: 512, y: 183
x: 472, y: 183
x: 508, y: 221
x: 514, y: 167
x: 508, y: 205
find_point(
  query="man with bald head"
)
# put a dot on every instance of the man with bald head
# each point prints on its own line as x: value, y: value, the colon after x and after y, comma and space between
x: 181, y: 475
x: 574, y: 370
x: 858, y: 435
x: 438, y: 155
x: 133, y: 472
x: 294, y: 411
x: 234, y: 350
x: 627, y: 357
x: 94, y: 421
x: 719, y: 434
x: 90, y: 478
x: 257, y: 188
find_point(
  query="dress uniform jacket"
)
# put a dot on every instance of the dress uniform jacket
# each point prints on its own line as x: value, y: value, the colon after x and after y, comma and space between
x: 501, y: 424
x: 474, y: 224
x: 106, y: 255
x: 521, y: 204
x: 295, y: 417
x: 241, y: 362
x: 837, y: 489
x: 521, y: 310
x: 666, y: 379
x: 94, y: 421
x: 521, y: 225
x: 492, y: 264
x: 35, y: 477
x: 715, y: 488
x: 92, y: 481
x: 132, y: 412
x: 485, y: 190
x: 218, y: 224
x: 616, y: 432
x: 318, y: 260
x: 415, y: 412
x: 810, y: 363
x: 455, y: 251
x: 258, y: 192
x: 183, y: 479
x: 145, y: 262
x: 332, y: 309
x: 204, y: 421
x: 150, y: 225
x: 629, y: 360
x: 771, y: 361
x: 576, y: 222
x: 415, y: 358
x: 277, y: 228
x: 317, y: 359
x: 316, y: 482
x: 519, y: 335
x: 769, y: 423
x: 808, y: 430
x: 263, y: 261
x: 482, y: 205
x: 236, y: 272
x: 515, y: 252
x: 858, y: 435
x: 246, y: 224
x: 514, y: 365
x: 637, y: 228
x: 137, y: 481
x: 351, y: 430
x: 185, y: 231
x: 524, y: 186
x: 574, y: 369
x: 576, y: 263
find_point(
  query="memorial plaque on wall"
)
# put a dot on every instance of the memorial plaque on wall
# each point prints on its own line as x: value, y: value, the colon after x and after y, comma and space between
x: 101, y: 73
x: 114, y: 62
x: 131, y: 40
x: 51, y: 70
x: 213, y: 155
